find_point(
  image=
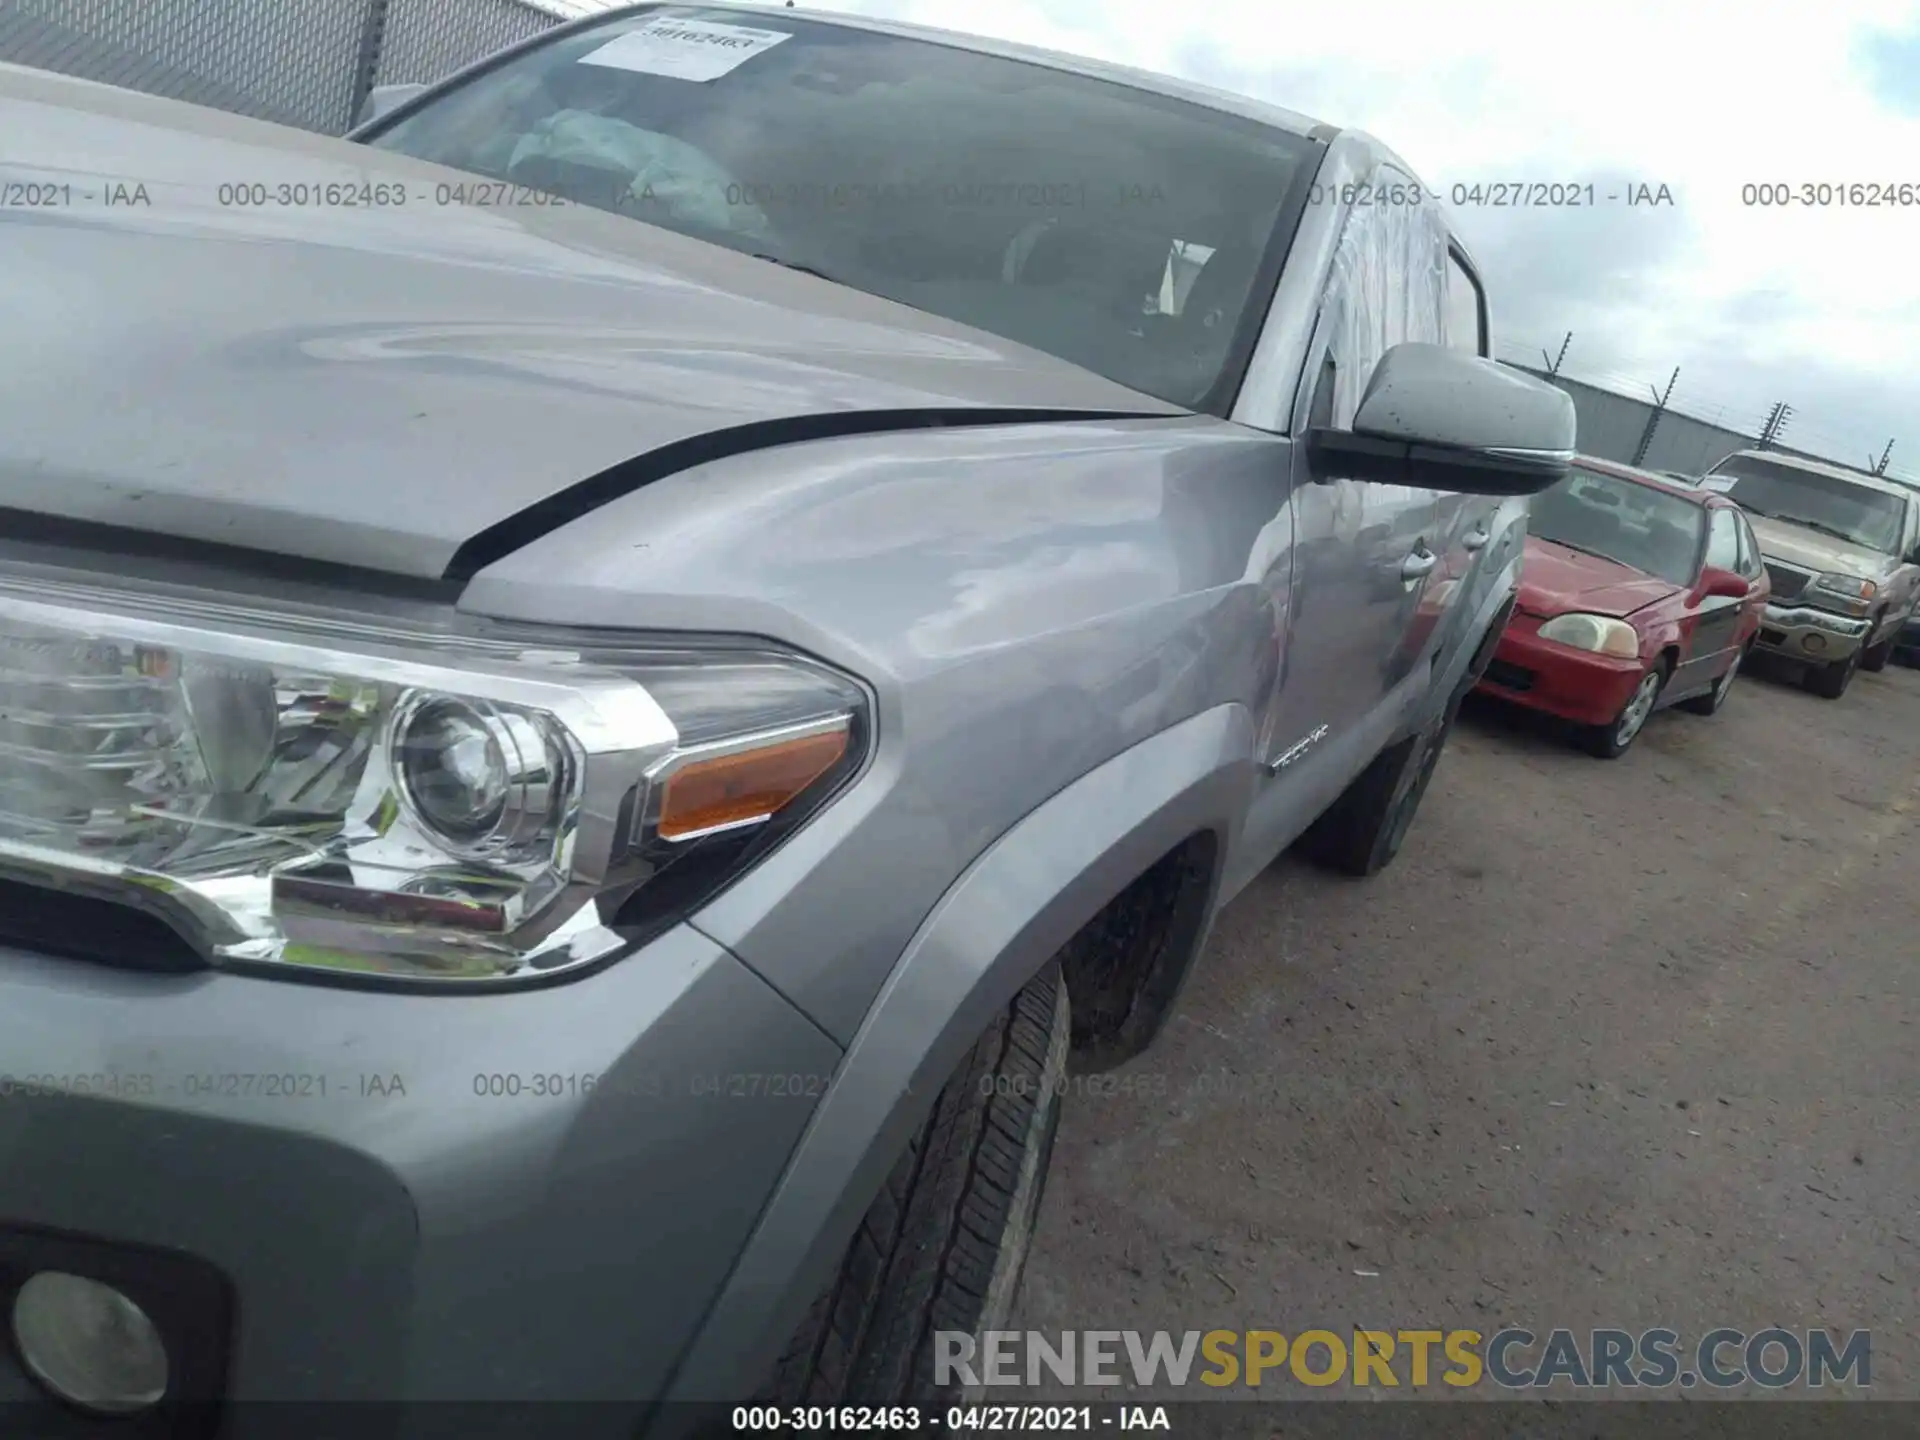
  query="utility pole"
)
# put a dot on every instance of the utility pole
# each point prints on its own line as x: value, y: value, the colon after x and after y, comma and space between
x: 1880, y: 465
x: 1553, y: 361
x: 1776, y: 422
x: 1653, y: 421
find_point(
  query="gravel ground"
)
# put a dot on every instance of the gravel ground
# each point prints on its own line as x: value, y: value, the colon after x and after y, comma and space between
x: 1621, y: 1044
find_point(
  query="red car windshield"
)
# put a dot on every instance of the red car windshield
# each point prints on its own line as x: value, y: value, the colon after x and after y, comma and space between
x: 1622, y: 521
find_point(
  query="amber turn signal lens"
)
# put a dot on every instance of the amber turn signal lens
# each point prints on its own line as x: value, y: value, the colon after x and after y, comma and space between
x: 706, y: 795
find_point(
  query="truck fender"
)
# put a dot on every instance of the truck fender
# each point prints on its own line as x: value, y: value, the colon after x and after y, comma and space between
x: 994, y: 929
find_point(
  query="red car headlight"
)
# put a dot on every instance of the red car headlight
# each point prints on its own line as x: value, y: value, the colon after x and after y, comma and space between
x: 1600, y: 634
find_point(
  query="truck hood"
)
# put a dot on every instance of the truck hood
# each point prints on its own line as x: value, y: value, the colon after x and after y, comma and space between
x: 1797, y: 545
x: 346, y: 377
x: 1555, y: 580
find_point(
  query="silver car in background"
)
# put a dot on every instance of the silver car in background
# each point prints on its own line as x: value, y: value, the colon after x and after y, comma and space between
x: 1842, y: 549
x: 599, y: 691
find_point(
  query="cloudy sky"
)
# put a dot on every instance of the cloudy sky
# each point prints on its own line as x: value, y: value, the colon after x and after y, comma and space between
x: 1817, y: 307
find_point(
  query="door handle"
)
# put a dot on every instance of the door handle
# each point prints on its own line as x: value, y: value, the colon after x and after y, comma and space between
x: 1418, y: 563
x: 1476, y: 538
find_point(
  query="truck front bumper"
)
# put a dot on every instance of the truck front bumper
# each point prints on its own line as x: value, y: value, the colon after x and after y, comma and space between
x: 326, y: 1194
x: 1801, y: 632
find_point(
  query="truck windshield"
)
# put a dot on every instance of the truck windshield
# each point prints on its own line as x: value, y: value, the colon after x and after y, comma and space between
x: 1114, y: 227
x: 1835, y: 506
x: 1633, y: 525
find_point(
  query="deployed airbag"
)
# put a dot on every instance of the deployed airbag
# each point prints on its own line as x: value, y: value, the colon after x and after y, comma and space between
x: 652, y: 170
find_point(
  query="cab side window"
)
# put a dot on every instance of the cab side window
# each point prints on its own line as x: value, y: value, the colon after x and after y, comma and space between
x: 1723, y: 542
x: 1389, y: 285
x: 1466, y: 309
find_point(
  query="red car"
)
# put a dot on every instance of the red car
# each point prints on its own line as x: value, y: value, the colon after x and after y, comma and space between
x: 1637, y: 592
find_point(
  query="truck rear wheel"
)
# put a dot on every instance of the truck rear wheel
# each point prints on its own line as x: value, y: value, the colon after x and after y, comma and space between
x: 1362, y: 831
x: 942, y: 1247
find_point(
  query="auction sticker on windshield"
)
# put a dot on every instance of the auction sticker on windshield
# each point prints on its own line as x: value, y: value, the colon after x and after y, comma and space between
x: 684, y: 49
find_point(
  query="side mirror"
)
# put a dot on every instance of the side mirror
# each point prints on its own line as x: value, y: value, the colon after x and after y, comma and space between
x: 385, y: 98
x: 1440, y: 419
x: 1722, y: 585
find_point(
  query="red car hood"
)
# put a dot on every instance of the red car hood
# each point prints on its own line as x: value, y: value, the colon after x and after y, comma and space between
x: 1556, y: 580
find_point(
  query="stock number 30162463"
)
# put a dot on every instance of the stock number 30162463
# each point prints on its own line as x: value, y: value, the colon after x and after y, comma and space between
x: 646, y: 1085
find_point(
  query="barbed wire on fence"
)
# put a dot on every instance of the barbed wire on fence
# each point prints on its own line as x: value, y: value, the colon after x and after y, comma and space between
x: 1845, y: 439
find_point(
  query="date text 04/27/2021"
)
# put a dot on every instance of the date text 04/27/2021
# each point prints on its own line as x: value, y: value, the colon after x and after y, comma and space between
x: 954, y: 1419
x: 1497, y: 194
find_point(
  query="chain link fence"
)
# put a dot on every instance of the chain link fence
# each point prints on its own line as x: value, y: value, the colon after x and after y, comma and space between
x: 308, y: 63
x: 427, y: 39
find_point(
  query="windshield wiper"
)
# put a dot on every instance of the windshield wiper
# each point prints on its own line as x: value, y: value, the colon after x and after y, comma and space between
x: 796, y: 265
x: 1597, y: 554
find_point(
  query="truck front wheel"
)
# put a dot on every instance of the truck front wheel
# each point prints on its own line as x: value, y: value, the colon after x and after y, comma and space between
x: 941, y: 1249
x: 1874, y: 659
x: 1830, y: 682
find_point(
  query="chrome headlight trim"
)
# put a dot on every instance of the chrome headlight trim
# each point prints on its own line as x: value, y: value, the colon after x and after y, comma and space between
x: 381, y: 896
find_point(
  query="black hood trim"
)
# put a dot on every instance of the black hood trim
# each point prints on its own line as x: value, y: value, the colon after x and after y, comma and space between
x: 563, y: 507
x: 97, y: 546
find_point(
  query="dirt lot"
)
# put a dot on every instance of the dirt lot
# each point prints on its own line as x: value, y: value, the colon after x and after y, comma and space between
x: 1623, y: 1044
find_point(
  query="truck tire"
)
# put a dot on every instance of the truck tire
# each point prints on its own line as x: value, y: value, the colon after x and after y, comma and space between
x: 1712, y: 702
x: 943, y: 1245
x: 1875, y: 659
x: 1362, y: 831
x: 1830, y: 682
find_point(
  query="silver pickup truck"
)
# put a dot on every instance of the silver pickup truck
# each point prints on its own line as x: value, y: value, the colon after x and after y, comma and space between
x: 587, y: 730
x: 1843, y: 551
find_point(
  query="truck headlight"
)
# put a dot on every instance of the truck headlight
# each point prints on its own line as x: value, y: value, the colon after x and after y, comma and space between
x: 1601, y: 634
x: 1856, y: 594
x: 305, y: 788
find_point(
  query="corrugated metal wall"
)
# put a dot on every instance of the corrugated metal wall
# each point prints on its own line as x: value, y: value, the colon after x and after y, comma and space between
x: 1611, y: 426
